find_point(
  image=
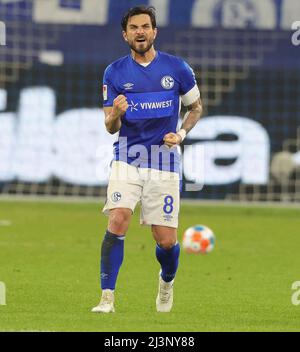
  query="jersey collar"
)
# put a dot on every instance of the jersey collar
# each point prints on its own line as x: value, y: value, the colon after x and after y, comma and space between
x: 150, y: 64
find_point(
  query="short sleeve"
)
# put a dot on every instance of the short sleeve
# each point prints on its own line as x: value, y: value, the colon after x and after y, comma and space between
x: 189, y: 90
x: 109, y: 91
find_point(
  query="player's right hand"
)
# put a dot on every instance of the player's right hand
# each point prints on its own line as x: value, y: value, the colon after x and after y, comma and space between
x: 120, y: 105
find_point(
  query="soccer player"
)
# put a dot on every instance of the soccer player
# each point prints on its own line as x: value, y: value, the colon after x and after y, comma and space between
x: 142, y: 95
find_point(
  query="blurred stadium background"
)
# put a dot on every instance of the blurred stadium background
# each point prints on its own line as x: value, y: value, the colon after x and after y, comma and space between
x: 246, y: 58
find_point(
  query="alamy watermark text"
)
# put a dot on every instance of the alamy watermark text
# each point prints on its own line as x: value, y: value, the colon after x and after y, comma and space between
x: 296, y: 35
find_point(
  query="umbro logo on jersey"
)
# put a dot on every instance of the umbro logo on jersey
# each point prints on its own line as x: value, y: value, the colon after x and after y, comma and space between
x: 128, y: 86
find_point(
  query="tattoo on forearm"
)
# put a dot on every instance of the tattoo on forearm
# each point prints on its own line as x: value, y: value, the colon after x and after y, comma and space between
x: 193, y: 116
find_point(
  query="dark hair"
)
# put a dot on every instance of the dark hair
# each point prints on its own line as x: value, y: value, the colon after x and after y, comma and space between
x: 139, y: 10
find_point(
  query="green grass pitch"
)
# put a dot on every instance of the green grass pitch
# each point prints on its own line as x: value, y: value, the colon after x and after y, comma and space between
x: 49, y: 262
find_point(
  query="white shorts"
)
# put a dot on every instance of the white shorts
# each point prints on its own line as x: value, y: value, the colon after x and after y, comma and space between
x: 158, y: 192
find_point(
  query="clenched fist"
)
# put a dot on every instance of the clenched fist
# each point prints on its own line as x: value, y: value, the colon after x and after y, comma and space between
x: 120, y: 106
x: 171, y: 139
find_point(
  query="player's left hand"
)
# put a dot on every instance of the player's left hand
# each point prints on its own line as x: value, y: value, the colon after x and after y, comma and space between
x: 172, y: 139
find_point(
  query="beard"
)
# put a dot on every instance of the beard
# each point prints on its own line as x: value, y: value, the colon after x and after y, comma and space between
x: 141, y: 48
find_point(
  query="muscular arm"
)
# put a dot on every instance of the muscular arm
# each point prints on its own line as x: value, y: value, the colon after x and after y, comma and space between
x: 113, y: 114
x: 112, y: 123
x: 191, y: 118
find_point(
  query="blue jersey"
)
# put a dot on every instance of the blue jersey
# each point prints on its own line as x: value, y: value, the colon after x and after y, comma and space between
x: 154, y: 94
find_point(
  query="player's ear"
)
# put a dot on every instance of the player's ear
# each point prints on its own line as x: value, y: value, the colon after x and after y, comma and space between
x: 155, y: 32
x: 125, y: 36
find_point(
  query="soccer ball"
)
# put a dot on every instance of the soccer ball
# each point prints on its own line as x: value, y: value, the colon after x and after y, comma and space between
x: 198, y: 239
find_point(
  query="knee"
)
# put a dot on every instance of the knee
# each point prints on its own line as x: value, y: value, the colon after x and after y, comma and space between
x: 118, y: 222
x: 167, y: 243
x: 165, y: 237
